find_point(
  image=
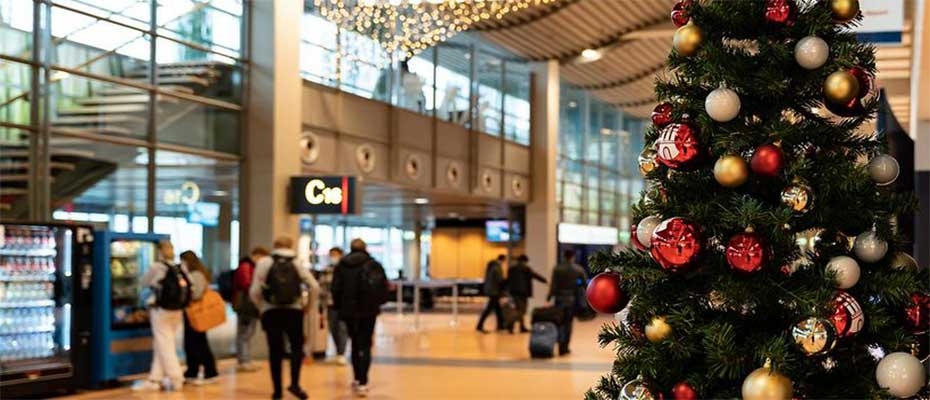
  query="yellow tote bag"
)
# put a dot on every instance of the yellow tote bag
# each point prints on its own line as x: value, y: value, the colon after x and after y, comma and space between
x: 207, y: 312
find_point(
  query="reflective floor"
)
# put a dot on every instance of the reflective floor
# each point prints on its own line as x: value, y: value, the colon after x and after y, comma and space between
x: 438, y: 361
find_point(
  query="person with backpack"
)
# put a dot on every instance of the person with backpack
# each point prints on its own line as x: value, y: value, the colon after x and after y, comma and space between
x: 519, y: 284
x: 278, y: 291
x: 493, y: 288
x: 566, y: 278
x: 196, y: 346
x: 171, y: 293
x: 359, y: 288
x: 337, y: 328
x: 247, y: 315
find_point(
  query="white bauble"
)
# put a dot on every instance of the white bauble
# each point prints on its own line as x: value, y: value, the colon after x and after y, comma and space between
x: 645, y: 228
x: 846, y: 269
x: 722, y: 104
x: 884, y: 169
x: 869, y: 247
x: 811, y: 52
x: 901, y: 374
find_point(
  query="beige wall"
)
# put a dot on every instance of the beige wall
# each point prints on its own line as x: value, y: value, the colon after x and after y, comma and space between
x: 463, y: 253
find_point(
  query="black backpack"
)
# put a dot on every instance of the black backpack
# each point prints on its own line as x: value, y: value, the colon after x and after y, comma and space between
x: 374, y: 284
x: 225, y: 284
x: 282, y: 284
x: 174, y: 292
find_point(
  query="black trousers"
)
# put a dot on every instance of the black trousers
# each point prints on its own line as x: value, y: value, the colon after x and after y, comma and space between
x: 520, y: 302
x: 198, y: 353
x: 567, y: 305
x: 278, y: 323
x: 361, y: 333
x: 494, y: 304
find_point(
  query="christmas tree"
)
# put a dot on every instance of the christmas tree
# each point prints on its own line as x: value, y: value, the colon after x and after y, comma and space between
x: 768, y: 264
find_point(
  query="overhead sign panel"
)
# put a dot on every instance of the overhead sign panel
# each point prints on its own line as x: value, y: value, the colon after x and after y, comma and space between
x: 323, y: 195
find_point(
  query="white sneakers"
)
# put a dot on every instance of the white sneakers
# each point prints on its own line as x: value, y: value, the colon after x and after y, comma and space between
x: 340, y: 360
x: 359, y: 389
x: 146, y: 386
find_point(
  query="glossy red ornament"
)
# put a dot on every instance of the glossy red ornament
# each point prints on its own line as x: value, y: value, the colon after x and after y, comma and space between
x: 781, y: 12
x: 680, y: 16
x: 604, y: 294
x: 746, y: 252
x: 865, y: 80
x: 768, y: 160
x: 676, y: 243
x: 678, y: 145
x: 662, y: 114
x: 847, y: 317
x: 683, y: 391
x: 917, y: 315
x: 633, y: 240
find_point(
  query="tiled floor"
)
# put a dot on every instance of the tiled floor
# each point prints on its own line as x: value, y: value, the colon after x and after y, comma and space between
x: 438, y: 361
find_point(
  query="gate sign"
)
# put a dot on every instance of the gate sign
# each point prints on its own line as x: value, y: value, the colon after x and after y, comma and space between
x: 883, y: 21
x: 323, y: 195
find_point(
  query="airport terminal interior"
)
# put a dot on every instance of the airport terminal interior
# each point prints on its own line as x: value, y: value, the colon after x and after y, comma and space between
x: 464, y: 199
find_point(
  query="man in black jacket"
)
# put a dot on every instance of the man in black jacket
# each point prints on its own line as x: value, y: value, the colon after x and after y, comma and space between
x: 520, y: 286
x: 357, y: 296
x: 567, y: 277
x: 493, y: 288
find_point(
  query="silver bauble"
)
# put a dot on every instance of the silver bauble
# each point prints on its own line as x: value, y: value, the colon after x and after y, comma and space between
x: 644, y: 229
x: 884, y: 169
x: 846, y: 270
x: 722, y: 104
x: 869, y: 247
x: 901, y: 374
x: 811, y: 52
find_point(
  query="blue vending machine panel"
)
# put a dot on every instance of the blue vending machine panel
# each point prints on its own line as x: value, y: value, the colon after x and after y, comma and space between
x: 122, y: 335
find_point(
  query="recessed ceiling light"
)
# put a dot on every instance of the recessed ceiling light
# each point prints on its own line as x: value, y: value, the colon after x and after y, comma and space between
x: 453, y: 215
x: 421, y: 200
x: 572, y: 104
x: 589, y: 55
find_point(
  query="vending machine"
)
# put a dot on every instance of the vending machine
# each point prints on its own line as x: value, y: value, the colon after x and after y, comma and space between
x: 122, y: 337
x: 45, y: 280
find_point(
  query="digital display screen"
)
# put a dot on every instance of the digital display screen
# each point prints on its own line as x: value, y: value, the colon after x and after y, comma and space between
x: 206, y: 214
x: 498, y: 231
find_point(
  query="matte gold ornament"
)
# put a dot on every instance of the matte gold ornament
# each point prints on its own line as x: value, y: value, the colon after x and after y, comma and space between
x: 731, y: 171
x: 844, y: 10
x: 904, y: 261
x: 658, y: 330
x: 766, y: 384
x: 688, y: 39
x: 840, y: 87
x: 798, y: 197
x: 814, y: 336
x: 647, y: 161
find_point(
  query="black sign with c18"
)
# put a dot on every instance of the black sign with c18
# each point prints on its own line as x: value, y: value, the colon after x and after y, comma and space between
x: 323, y: 195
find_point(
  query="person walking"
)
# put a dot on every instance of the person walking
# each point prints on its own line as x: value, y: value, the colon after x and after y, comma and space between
x: 359, y: 288
x: 519, y: 284
x: 196, y: 346
x: 247, y: 315
x: 277, y: 291
x: 337, y: 327
x: 493, y: 288
x: 566, y: 278
x: 171, y: 293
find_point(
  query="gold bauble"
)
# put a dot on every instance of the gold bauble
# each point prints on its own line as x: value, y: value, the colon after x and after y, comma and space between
x: 904, y: 261
x: 814, y: 336
x: 731, y: 171
x: 658, y: 330
x: 798, y: 196
x: 841, y: 87
x: 688, y: 39
x: 647, y: 161
x: 844, y: 10
x: 766, y: 384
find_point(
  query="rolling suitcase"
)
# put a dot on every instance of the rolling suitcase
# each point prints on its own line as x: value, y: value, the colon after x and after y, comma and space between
x: 316, y: 330
x: 509, y: 312
x: 543, y: 339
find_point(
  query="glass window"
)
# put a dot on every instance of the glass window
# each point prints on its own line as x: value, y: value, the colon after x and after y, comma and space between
x: 98, y: 47
x: 571, y: 123
x: 15, y: 29
x: 91, y: 106
x: 15, y: 85
x: 15, y: 169
x: 416, y: 91
x: 215, y: 25
x: 453, y: 82
x: 187, y: 123
x: 182, y: 68
x: 319, y: 43
x: 517, y: 102
x: 365, y: 68
x: 134, y: 13
x: 488, y: 104
x: 572, y: 196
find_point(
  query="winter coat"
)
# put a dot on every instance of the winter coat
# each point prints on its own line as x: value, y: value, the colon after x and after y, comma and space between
x: 520, y: 280
x: 348, y: 297
x: 493, y: 279
x: 566, y: 279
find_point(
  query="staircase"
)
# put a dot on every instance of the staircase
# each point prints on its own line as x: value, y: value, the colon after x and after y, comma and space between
x: 109, y: 110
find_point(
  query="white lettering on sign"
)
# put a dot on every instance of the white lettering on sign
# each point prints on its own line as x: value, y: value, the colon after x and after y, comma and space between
x: 317, y: 193
x: 188, y: 193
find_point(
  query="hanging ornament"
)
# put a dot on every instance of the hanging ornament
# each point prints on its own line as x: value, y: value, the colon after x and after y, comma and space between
x: 722, y: 104
x: 604, y: 293
x: 840, y: 87
x: 678, y: 145
x: 847, y: 317
x: 647, y: 161
x: 903, y: 261
x: 680, y: 15
x: 683, y: 391
x: 688, y: 39
x: 884, y: 169
x: 830, y: 242
x: 869, y: 247
x: 633, y: 240
x: 844, y: 10
x: 767, y: 384
x: 768, y: 160
x: 676, y: 243
x: 811, y: 52
x: 866, y: 82
x: 731, y: 171
x: 662, y: 114
x: 917, y: 314
x: 814, y: 336
x: 798, y: 197
x: 637, y: 390
x: 645, y: 228
x: 658, y: 330
x: 746, y: 251
x: 846, y: 270
x: 901, y: 374
x: 781, y: 12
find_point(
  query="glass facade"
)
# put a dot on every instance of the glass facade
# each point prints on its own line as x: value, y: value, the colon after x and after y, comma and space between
x: 125, y: 114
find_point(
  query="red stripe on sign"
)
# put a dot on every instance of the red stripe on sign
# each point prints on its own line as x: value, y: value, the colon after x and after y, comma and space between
x: 345, y: 195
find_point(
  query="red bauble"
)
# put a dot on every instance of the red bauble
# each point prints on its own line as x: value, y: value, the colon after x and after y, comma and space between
x: 917, y: 315
x: 633, y: 240
x: 746, y: 252
x: 678, y: 145
x: 767, y: 160
x: 604, y: 294
x: 680, y: 16
x: 781, y: 12
x: 847, y: 315
x: 683, y: 391
x: 676, y: 243
x: 662, y: 114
